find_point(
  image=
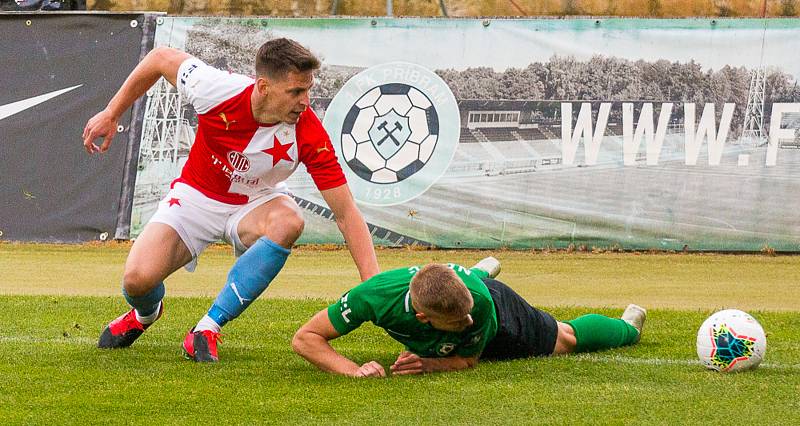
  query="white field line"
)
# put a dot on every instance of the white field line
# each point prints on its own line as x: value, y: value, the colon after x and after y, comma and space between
x: 600, y: 358
x: 593, y: 358
x: 631, y: 360
x: 87, y: 341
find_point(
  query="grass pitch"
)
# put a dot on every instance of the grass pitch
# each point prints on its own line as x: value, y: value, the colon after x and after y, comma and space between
x: 56, y: 299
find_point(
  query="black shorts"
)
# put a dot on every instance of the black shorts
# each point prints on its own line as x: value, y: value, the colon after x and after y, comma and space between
x: 522, y: 330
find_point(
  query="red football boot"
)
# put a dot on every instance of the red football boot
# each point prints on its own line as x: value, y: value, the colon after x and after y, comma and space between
x: 201, y: 346
x: 123, y: 331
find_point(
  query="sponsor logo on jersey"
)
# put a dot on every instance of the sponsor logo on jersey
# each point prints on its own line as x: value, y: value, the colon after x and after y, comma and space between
x: 395, y: 127
x: 238, y: 161
x: 323, y: 148
x: 224, y: 119
x: 222, y: 166
x: 445, y: 348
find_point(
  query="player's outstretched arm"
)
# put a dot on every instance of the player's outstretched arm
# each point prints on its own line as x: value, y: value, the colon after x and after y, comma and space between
x: 311, y: 342
x: 354, y: 229
x: 160, y: 62
x: 409, y: 363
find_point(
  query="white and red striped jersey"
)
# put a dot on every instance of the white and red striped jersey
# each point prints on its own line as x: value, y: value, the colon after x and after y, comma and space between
x: 235, y: 158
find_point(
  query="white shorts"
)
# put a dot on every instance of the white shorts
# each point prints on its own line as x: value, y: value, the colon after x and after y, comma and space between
x: 200, y: 221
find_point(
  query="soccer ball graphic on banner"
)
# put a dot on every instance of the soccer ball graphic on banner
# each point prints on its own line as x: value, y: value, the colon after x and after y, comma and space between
x: 731, y: 340
x: 390, y: 133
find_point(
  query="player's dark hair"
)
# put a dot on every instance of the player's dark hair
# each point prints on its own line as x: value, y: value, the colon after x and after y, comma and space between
x: 437, y: 288
x: 279, y: 56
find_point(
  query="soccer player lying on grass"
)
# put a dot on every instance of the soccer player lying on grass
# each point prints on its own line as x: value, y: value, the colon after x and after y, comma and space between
x: 448, y: 317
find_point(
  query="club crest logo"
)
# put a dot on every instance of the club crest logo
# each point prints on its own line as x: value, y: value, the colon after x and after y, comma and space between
x: 238, y: 161
x: 395, y: 127
x: 444, y: 349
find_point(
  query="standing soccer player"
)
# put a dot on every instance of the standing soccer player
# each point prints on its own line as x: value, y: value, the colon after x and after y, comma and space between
x: 251, y: 136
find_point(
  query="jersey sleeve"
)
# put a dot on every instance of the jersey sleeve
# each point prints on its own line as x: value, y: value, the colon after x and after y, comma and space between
x: 317, y: 153
x: 205, y: 87
x: 350, y: 311
x: 480, y: 273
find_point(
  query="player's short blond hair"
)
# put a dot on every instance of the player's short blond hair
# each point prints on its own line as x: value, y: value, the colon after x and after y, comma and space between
x: 437, y: 289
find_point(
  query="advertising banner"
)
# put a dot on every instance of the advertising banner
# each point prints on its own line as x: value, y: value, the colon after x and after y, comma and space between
x: 58, y: 70
x: 529, y: 133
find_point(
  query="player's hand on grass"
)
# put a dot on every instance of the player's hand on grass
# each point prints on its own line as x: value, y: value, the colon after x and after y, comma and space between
x: 408, y: 363
x: 102, y: 125
x: 371, y: 369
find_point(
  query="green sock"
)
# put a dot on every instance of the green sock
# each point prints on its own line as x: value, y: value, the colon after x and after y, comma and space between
x: 595, y: 332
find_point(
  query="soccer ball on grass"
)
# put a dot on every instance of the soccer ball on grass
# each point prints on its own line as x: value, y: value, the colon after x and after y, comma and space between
x: 731, y: 340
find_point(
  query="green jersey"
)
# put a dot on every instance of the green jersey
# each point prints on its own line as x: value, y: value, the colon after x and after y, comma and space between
x: 385, y: 300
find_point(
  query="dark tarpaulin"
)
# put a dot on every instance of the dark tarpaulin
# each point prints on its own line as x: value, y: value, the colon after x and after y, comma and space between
x: 50, y: 188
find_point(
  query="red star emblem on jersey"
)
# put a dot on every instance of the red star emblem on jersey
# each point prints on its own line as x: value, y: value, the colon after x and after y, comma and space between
x: 174, y: 201
x: 279, y: 152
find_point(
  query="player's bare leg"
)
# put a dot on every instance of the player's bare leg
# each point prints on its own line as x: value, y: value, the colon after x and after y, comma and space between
x: 279, y: 219
x: 269, y: 231
x: 157, y: 253
x: 565, y: 342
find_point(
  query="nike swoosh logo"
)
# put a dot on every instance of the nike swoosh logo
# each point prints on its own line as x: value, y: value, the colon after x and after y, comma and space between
x: 8, y: 110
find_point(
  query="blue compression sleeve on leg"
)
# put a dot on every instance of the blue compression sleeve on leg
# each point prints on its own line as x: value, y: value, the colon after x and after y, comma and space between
x: 146, y: 304
x: 249, y: 277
